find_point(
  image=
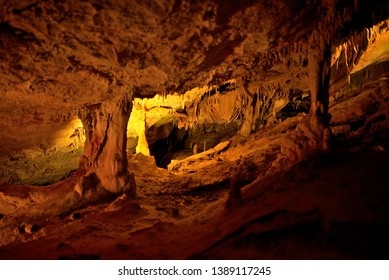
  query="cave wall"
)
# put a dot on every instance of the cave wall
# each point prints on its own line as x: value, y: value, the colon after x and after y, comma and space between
x: 47, y: 150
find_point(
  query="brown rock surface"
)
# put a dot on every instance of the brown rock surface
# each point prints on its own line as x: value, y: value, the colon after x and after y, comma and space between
x: 57, y: 57
x: 298, y: 90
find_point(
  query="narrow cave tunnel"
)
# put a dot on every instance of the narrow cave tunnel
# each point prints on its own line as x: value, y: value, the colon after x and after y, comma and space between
x: 221, y: 129
x: 164, y: 150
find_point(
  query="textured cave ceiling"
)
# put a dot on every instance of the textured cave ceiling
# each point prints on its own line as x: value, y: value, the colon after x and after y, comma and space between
x: 153, y: 46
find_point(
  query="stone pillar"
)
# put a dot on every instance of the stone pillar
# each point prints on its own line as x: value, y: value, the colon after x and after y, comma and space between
x: 140, y: 128
x: 313, y: 133
x: 319, y: 64
x: 105, y: 156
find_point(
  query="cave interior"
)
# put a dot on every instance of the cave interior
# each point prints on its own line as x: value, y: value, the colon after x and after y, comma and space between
x: 179, y: 129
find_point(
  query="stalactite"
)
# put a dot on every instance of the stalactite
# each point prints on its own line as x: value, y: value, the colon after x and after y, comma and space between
x: 348, y: 54
x: 313, y: 133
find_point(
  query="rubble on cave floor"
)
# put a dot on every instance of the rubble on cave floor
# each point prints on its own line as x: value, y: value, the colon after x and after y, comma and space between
x: 323, y: 208
x: 175, y: 195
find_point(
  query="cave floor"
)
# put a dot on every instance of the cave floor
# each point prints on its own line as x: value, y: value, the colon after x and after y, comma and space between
x: 333, y: 206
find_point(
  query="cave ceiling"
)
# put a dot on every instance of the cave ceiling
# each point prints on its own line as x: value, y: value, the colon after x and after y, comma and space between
x: 152, y: 46
x: 57, y: 56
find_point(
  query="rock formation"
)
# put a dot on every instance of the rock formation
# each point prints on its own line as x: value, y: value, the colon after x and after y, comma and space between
x: 105, y: 145
x: 175, y: 114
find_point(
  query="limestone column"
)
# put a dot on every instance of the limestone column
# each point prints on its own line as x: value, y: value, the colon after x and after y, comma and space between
x: 313, y: 133
x: 319, y: 64
x: 105, y: 157
x: 140, y: 128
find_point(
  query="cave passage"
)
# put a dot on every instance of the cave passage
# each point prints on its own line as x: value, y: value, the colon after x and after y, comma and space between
x: 194, y: 129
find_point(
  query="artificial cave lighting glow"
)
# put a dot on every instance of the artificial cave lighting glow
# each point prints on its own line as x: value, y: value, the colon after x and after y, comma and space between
x: 162, y: 109
x: 72, y: 135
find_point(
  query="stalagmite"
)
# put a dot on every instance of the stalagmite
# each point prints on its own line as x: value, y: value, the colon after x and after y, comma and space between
x: 140, y: 127
x: 195, y: 149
